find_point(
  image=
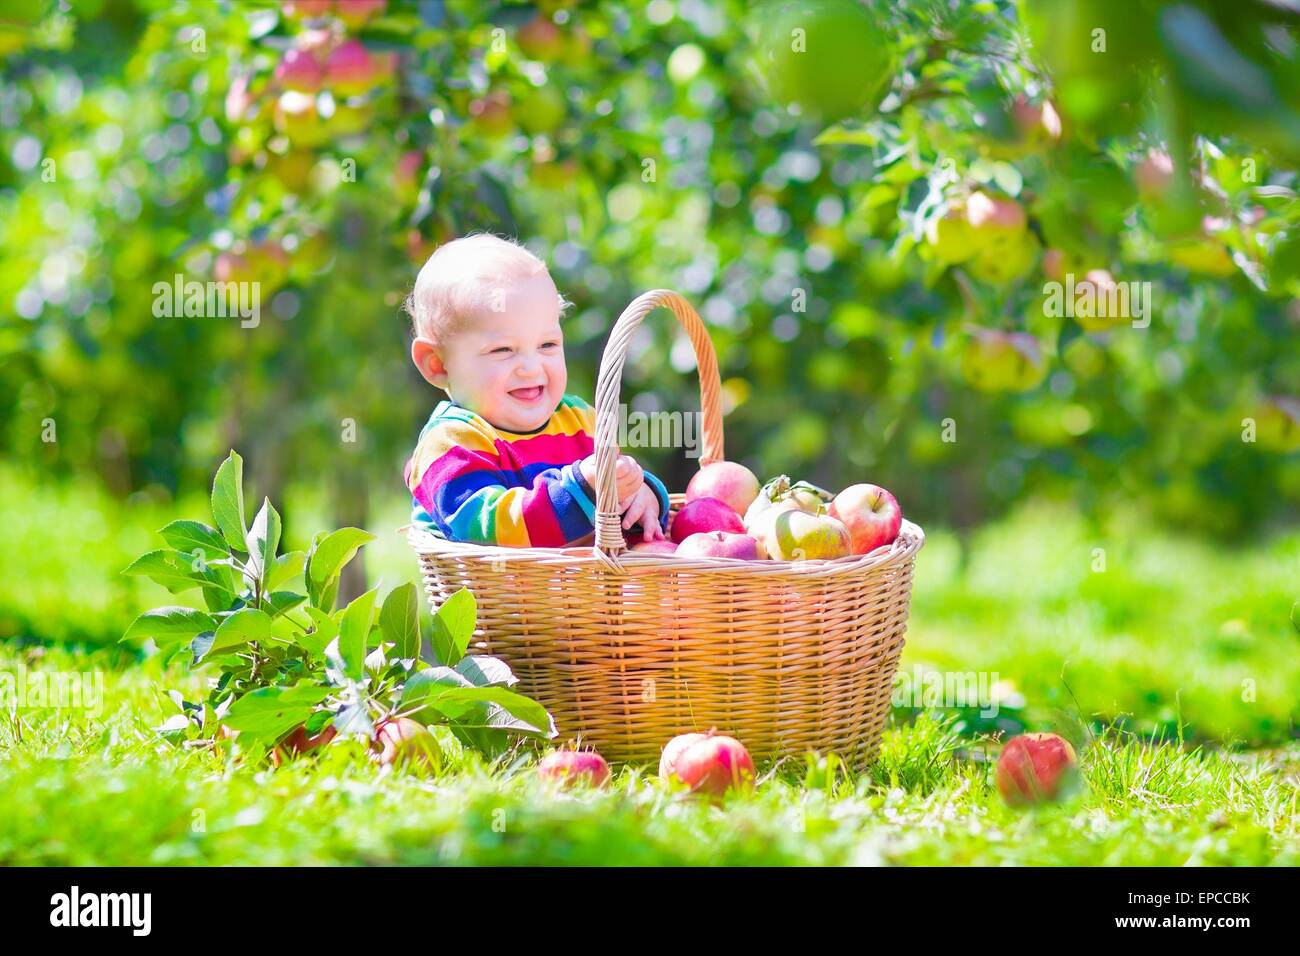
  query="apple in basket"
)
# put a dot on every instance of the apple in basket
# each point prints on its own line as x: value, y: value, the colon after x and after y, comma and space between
x: 721, y: 544
x: 704, y: 514
x: 1036, y: 767
x: 710, y: 764
x: 728, y: 481
x: 661, y: 546
x: 783, y: 494
x: 870, y: 513
x: 792, y: 535
x: 571, y: 768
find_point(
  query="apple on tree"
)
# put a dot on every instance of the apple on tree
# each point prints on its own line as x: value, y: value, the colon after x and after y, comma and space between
x: 829, y: 58
x: 995, y: 361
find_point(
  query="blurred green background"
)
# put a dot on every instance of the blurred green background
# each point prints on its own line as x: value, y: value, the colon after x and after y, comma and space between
x: 324, y: 149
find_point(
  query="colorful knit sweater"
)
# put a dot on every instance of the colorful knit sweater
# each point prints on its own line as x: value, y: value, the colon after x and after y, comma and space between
x: 471, y: 481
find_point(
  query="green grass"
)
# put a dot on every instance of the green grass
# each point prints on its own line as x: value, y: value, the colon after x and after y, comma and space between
x: 1157, y: 645
x: 105, y: 791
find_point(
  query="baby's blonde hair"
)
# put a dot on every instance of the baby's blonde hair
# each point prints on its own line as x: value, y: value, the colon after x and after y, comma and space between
x: 459, y: 277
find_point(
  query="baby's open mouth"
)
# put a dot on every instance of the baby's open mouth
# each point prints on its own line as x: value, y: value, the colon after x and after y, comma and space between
x: 531, y: 394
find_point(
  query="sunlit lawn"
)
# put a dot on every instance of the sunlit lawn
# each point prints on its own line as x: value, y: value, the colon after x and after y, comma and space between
x: 1173, y: 631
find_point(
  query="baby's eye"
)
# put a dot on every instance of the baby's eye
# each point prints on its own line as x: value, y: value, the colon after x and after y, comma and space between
x: 502, y: 350
x: 550, y: 345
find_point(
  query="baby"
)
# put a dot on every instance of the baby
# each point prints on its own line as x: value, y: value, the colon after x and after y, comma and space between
x: 508, y: 458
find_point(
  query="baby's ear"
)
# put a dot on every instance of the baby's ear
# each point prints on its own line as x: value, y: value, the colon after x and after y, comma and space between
x: 425, y: 355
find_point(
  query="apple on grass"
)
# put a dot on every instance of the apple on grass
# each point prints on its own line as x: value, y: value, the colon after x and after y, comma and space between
x: 574, y: 768
x: 727, y: 481
x: 704, y: 514
x: 1036, y: 767
x: 403, y: 740
x: 710, y: 764
x: 870, y: 513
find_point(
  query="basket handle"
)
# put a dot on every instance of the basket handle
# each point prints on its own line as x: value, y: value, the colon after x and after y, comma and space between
x: 609, y: 530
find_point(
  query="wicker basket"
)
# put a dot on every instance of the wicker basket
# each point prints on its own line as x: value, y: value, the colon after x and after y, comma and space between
x: 627, y: 649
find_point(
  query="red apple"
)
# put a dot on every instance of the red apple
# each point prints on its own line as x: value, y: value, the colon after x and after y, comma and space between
x: 721, y: 544
x: 575, y: 768
x: 704, y: 514
x: 870, y: 513
x: 660, y: 546
x: 351, y: 70
x: 728, y: 481
x: 307, y: 9
x: 672, y: 750
x: 985, y: 212
x: 405, y: 740
x: 791, y: 535
x: 710, y: 764
x: 294, y: 745
x: 490, y: 114
x: 406, y: 174
x: 1155, y: 173
x: 541, y: 39
x: 1035, y: 767
x: 299, y: 70
x: 355, y: 13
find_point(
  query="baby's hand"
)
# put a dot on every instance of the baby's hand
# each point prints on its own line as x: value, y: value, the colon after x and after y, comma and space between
x: 644, y: 509
x: 628, y: 477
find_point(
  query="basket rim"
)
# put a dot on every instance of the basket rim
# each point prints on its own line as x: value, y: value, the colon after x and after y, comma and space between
x: 910, y: 540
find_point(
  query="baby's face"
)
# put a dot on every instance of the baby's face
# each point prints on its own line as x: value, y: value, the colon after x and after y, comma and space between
x: 507, y: 363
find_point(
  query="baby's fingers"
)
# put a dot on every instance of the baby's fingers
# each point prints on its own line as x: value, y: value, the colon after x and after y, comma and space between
x: 634, y: 514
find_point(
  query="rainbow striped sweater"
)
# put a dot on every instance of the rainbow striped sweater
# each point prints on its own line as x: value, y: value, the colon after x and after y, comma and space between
x: 471, y: 481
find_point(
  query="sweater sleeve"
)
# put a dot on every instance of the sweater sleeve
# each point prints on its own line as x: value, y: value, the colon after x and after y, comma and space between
x: 469, y: 496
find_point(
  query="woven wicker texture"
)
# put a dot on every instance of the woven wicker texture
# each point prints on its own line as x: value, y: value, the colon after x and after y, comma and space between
x: 628, y: 649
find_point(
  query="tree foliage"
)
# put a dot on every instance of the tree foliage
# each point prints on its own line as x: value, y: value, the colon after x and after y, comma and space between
x: 641, y: 145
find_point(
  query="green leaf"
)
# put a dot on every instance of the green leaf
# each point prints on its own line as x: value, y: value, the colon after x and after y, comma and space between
x: 453, y: 626
x: 286, y: 567
x: 1295, y: 615
x: 839, y: 135
x: 268, y: 713
x: 353, y: 720
x: 517, y: 705
x: 248, y: 624
x: 428, y: 684
x: 1008, y: 178
x: 228, y: 501
x: 329, y: 553
x: 482, y: 670
x: 169, y: 625
x: 399, y: 619
x: 262, y: 541
x: 172, y: 569
x: 187, y: 536
x: 324, y: 631
x: 282, y: 601
x: 354, y: 628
